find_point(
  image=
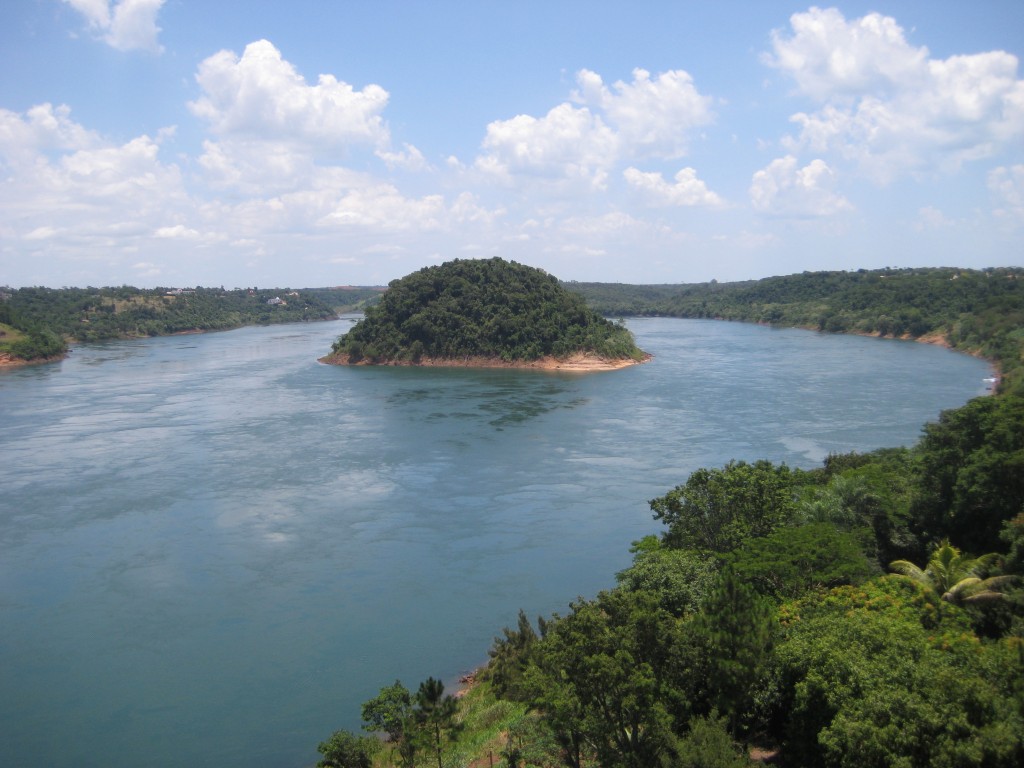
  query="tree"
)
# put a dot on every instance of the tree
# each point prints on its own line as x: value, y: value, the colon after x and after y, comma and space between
x: 886, y: 674
x: 680, y: 578
x: 958, y: 578
x: 795, y: 560
x: 718, y: 508
x: 435, y: 714
x: 972, y: 472
x: 510, y: 656
x: 344, y: 750
x: 606, y: 676
x: 708, y: 744
x: 736, y: 631
x: 391, y: 713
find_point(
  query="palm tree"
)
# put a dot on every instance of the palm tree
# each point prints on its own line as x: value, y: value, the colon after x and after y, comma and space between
x: 955, y: 576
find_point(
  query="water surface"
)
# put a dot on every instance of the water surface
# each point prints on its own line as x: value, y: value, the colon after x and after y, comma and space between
x: 213, y: 548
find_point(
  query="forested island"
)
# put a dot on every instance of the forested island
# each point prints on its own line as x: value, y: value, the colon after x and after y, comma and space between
x: 866, y: 613
x: 484, y: 312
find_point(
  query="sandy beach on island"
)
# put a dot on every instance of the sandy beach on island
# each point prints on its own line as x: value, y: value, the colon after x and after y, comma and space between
x: 577, y: 363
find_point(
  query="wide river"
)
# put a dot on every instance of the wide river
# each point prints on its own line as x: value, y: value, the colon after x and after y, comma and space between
x: 214, y: 548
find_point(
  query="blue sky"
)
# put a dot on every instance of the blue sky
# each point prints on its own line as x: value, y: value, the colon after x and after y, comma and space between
x: 311, y: 143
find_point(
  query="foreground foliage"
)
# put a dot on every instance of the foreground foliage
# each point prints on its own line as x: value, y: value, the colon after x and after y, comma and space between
x: 481, y: 308
x: 762, y: 615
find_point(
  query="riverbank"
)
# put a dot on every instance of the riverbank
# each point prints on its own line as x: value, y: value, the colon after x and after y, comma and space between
x: 581, y: 362
x: 8, y: 360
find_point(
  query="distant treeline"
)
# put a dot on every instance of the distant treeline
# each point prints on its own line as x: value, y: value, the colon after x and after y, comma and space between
x: 976, y: 311
x: 38, y: 322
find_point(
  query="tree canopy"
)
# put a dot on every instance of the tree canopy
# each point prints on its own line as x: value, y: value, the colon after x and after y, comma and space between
x: 488, y: 308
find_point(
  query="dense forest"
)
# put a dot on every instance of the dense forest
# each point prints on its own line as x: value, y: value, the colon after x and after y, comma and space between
x: 480, y: 308
x: 866, y: 613
x: 39, y: 322
x: 975, y: 311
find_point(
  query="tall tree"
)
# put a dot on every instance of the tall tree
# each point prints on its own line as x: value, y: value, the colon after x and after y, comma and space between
x: 435, y: 714
x: 737, y: 630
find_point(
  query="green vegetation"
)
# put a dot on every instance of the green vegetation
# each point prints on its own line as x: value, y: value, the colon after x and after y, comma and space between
x: 36, y: 323
x: 491, y: 309
x: 762, y: 615
x: 980, y: 312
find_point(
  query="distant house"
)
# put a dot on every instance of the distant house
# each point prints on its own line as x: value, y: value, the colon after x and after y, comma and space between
x: 275, y: 301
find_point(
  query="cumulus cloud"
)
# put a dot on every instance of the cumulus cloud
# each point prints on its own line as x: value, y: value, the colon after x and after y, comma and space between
x: 261, y: 95
x: 568, y: 142
x: 1007, y: 188
x: 783, y: 188
x: 887, y: 105
x: 126, y: 25
x: 687, y: 190
x: 584, y: 138
x: 650, y: 117
x: 101, y: 193
x: 409, y: 158
x: 42, y: 129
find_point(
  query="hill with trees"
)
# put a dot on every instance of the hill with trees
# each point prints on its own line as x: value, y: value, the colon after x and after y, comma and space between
x: 481, y: 312
x: 975, y: 311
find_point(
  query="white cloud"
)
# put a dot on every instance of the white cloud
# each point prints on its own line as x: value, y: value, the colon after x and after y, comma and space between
x: 586, y: 139
x: 888, y: 106
x: 783, y: 188
x: 931, y: 218
x: 103, y: 195
x: 126, y: 25
x: 177, y: 232
x: 1007, y: 188
x: 260, y: 95
x: 829, y: 57
x: 687, y: 190
x: 43, y: 129
x: 383, y: 207
x: 650, y: 117
x: 568, y: 142
x: 410, y: 159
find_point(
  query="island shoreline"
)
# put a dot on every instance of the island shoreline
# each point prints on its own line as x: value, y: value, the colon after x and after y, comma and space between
x: 578, y: 363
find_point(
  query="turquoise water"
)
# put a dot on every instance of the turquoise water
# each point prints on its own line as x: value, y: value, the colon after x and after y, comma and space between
x: 213, y: 548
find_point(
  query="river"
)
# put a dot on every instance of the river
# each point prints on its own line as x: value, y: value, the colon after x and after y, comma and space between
x: 214, y: 548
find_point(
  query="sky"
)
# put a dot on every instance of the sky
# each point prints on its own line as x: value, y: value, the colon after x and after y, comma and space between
x: 169, y: 143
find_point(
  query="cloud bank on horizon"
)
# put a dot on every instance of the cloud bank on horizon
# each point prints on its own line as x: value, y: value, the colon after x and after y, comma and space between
x: 147, y: 143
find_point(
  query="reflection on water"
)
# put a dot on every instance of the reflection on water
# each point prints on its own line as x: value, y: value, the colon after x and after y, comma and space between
x: 215, y: 548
